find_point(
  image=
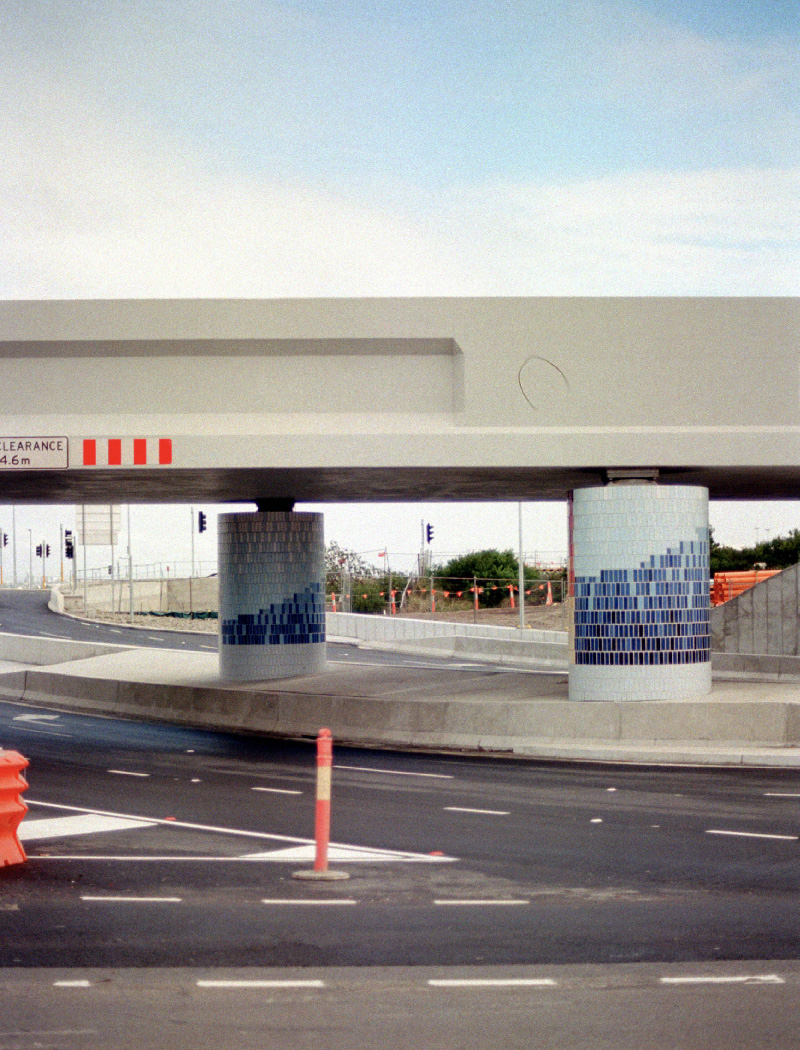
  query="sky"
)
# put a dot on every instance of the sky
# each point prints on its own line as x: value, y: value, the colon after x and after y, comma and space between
x: 183, y: 148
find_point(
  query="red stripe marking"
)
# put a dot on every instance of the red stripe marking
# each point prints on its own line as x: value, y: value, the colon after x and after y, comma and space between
x: 139, y: 451
x: 165, y: 450
x: 90, y: 452
x: 114, y: 452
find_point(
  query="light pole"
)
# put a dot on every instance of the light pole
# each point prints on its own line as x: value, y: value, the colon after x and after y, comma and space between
x: 30, y: 558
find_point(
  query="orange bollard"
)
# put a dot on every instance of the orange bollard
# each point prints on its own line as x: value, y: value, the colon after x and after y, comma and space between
x: 322, y: 820
x: 322, y: 825
x: 12, y: 808
x: 511, y: 595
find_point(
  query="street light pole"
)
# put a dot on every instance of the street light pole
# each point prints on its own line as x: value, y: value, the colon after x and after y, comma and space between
x: 30, y: 558
x: 521, y: 576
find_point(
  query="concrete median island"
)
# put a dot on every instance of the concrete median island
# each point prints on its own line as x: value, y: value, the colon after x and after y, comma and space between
x: 743, y: 722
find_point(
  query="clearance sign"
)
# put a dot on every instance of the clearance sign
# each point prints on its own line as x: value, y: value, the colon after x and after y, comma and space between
x: 34, y: 453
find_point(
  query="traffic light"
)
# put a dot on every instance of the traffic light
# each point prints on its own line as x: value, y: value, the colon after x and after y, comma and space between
x: 47, y: 550
x: 39, y: 551
x: 201, y: 522
x: 429, y: 533
x: 5, y: 539
x: 69, y: 546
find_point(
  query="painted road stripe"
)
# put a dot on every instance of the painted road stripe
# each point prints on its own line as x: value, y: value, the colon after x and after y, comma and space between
x: 481, y: 902
x: 782, y: 794
x: 72, y: 984
x: 260, y: 984
x: 132, y: 900
x: 770, y: 978
x: 66, y: 827
x: 486, y: 812
x: 397, y: 772
x: 127, y: 773
x: 277, y: 791
x: 289, y: 900
x: 751, y: 835
x: 493, y: 982
x: 337, y: 851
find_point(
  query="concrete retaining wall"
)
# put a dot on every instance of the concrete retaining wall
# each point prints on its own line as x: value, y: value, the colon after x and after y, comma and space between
x: 762, y: 620
x: 443, y: 638
x: 148, y: 596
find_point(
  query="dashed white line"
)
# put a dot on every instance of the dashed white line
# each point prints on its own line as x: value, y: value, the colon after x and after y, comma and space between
x: 260, y: 984
x: 770, y: 978
x: 486, y: 812
x: 131, y: 900
x: 277, y: 791
x: 493, y: 982
x: 293, y: 901
x: 72, y: 984
x: 480, y: 903
x: 751, y: 834
x: 127, y: 773
x: 396, y: 772
x: 782, y: 794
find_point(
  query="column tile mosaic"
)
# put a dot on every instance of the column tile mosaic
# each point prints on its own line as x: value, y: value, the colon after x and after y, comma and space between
x: 272, y: 600
x: 642, y: 610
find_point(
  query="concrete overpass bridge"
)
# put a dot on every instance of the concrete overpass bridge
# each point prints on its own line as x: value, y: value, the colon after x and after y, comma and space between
x: 640, y: 407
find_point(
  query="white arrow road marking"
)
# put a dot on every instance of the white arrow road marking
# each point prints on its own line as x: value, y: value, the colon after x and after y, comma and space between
x: 64, y: 827
x: 35, y: 718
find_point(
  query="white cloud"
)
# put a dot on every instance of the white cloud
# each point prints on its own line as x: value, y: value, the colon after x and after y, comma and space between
x: 104, y: 207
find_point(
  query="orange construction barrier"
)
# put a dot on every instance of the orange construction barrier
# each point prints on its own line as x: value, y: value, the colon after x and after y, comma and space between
x: 12, y: 808
x: 729, y: 585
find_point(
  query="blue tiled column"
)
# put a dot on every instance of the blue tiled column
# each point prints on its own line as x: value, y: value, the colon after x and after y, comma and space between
x: 271, y: 595
x: 642, y: 608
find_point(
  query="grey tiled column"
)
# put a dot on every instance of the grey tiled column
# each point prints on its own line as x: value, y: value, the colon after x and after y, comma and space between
x: 271, y: 595
x: 642, y: 605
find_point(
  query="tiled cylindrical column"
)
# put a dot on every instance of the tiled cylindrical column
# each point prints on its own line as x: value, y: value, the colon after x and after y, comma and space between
x: 271, y: 595
x: 642, y: 608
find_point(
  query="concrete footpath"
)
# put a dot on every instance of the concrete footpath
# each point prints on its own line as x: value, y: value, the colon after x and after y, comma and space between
x: 746, y: 720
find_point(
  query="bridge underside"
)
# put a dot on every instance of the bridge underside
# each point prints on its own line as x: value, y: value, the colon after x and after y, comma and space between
x: 372, y: 484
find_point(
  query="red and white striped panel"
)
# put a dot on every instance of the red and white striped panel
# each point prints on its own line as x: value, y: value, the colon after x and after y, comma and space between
x: 127, y: 452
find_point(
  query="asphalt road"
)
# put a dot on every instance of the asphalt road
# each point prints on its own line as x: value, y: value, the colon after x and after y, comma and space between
x: 157, y: 859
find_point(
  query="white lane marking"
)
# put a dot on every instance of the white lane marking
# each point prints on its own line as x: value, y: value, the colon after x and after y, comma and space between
x: 66, y: 827
x: 596, y: 820
x: 770, y: 978
x: 131, y: 900
x: 480, y: 903
x: 260, y: 984
x: 305, y: 851
x: 751, y: 835
x: 113, y: 630
x: 154, y: 637
x: 173, y: 823
x: 277, y: 791
x: 396, y: 772
x: 782, y: 794
x: 290, y: 901
x: 493, y: 982
x: 213, y: 647
x: 35, y: 718
x: 72, y: 984
x: 127, y: 773
x: 486, y: 812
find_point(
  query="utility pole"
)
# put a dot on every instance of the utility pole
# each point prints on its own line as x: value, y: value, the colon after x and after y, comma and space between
x: 14, y: 539
x: 130, y: 564
x: 191, y: 605
x: 521, y: 576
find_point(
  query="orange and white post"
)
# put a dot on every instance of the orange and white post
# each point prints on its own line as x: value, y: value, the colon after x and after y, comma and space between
x: 322, y: 820
x: 322, y: 826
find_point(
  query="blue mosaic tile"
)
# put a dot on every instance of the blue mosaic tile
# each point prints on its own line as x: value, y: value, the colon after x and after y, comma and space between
x: 656, y: 614
x: 299, y: 620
